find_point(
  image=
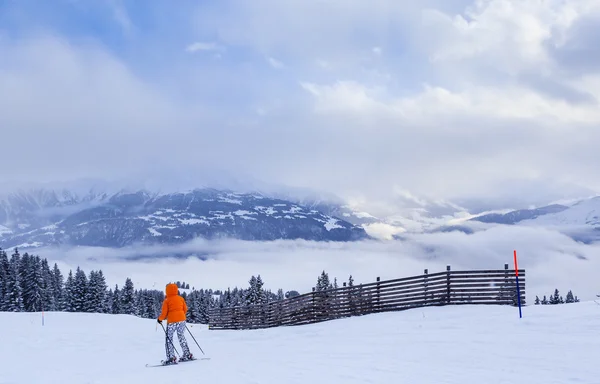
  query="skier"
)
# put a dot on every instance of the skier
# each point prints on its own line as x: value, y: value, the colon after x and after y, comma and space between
x: 174, y: 309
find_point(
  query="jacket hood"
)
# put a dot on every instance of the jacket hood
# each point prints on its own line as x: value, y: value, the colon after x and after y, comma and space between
x: 172, y: 290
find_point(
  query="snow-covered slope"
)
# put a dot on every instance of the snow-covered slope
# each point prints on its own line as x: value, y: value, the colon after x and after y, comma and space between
x: 42, y: 218
x: 586, y: 212
x: 445, y: 345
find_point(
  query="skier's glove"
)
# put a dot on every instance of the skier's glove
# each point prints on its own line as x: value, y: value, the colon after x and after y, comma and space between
x: 159, y: 321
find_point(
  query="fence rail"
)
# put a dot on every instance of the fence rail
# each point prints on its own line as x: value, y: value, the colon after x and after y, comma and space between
x: 492, y: 287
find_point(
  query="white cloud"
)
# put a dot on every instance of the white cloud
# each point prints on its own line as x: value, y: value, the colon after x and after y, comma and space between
x: 203, y: 46
x: 446, y: 99
x: 550, y: 259
x: 275, y: 63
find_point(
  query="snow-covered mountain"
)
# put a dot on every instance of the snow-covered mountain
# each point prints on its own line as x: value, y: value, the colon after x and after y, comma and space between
x: 579, y: 220
x: 519, y: 215
x: 48, y: 217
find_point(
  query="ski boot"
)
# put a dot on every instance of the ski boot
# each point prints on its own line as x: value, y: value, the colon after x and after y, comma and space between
x: 187, y: 357
x: 170, y: 361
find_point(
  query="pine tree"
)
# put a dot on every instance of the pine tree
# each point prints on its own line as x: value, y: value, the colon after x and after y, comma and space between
x: 128, y: 298
x: 544, y: 300
x: 537, y: 300
x: 4, y: 273
x: 116, y: 307
x: 570, y: 298
x: 68, y: 296
x: 33, y: 284
x: 14, y: 293
x: 555, y: 299
x: 96, y: 293
x: 58, y: 288
x: 194, y: 307
x: 280, y: 295
x: 48, y: 302
x: 255, y: 293
x: 147, y: 309
x: 350, y: 281
x: 323, y: 282
x: 79, y: 291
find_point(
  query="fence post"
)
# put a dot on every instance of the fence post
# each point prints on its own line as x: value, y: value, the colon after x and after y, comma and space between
x: 506, y: 283
x: 378, y: 297
x: 448, y: 284
x: 425, y: 272
x: 313, y: 306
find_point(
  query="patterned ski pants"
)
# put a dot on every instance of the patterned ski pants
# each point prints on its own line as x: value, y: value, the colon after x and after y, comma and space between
x: 169, y: 345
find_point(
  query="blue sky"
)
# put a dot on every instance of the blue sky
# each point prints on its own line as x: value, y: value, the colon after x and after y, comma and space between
x: 371, y: 100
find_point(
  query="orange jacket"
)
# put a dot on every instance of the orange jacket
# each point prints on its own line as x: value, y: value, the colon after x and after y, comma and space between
x: 174, y: 307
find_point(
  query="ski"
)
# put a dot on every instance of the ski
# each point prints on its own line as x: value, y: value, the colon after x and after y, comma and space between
x: 178, y: 362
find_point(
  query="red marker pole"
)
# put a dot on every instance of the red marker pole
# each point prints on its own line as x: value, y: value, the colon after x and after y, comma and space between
x: 518, y: 288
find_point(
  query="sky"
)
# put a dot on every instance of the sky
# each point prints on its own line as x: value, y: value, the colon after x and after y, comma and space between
x: 468, y: 101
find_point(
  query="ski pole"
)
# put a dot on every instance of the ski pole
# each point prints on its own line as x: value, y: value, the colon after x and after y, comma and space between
x: 194, y: 339
x: 168, y: 338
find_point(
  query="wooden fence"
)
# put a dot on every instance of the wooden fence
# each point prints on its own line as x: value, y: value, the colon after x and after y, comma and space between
x: 496, y: 287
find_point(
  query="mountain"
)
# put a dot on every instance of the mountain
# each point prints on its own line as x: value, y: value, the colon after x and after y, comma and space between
x: 583, y: 213
x: 517, y: 216
x: 48, y: 217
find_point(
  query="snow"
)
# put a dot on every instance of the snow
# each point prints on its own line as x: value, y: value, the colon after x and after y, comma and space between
x: 4, y: 230
x: 586, y: 212
x: 154, y: 232
x: 228, y: 200
x: 193, y: 221
x: 332, y: 224
x: 551, y: 344
x: 266, y: 210
x: 293, y: 209
x: 243, y: 213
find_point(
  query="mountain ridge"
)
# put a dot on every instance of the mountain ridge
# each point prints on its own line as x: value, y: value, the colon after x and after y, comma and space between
x: 42, y: 217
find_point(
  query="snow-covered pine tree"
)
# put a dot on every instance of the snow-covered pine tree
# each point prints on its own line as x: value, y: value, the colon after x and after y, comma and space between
x: 204, y: 305
x: 96, y: 293
x: 252, y: 294
x: 14, y: 293
x: 140, y: 302
x: 193, y: 313
x: 260, y: 290
x: 147, y: 305
x: 323, y: 282
x: 570, y: 298
x: 58, y: 288
x: 68, y: 297
x: 116, y: 303
x: 25, y: 280
x: 280, y: 294
x: 350, y: 281
x: 79, y: 291
x: 31, y: 282
x: 48, y: 303
x: 544, y: 300
x: 537, y: 299
x: 128, y: 298
x: 4, y: 271
x: 108, y: 300
x: 227, y: 299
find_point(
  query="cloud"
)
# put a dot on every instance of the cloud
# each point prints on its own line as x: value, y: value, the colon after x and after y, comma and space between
x: 200, y: 46
x: 551, y: 260
x: 275, y: 63
x: 448, y: 100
